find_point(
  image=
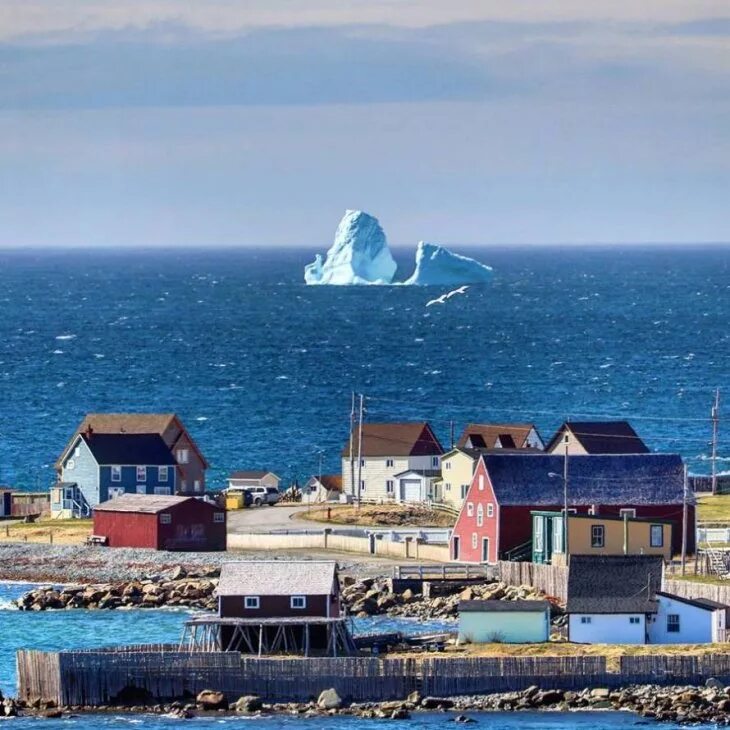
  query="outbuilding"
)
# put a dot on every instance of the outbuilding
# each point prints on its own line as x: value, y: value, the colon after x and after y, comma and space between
x: 506, y: 622
x: 6, y: 501
x: 161, y: 522
x: 680, y: 620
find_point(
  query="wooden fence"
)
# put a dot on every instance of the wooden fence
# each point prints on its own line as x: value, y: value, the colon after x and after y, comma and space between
x: 551, y: 579
x: 124, y: 677
x: 693, y: 589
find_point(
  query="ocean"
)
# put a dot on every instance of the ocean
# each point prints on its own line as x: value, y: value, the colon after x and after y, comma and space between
x: 261, y: 367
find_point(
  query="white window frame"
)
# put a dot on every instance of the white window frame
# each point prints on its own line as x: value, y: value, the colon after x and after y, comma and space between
x: 389, y: 486
x: 165, y: 518
x: 70, y: 464
x: 598, y: 535
x: 219, y: 517
x: 652, y: 530
x: 480, y: 515
x: 481, y: 482
x: 183, y: 456
x: 197, y: 486
x: 116, y: 473
x: 163, y: 473
x: 141, y: 473
x: 447, y: 465
x: 434, y: 461
x: 474, y: 541
x: 470, y: 509
x: 388, y: 463
x: 447, y: 486
x: 464, y: 490
x: 141, y: 489
x: 490, y: 509
x: 673, y: 623
x: 301, y: 600
x: 251, y: 603
x: 162, y: 491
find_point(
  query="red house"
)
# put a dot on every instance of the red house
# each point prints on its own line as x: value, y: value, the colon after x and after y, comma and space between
x: 495, y: 522
x: 161, y: 523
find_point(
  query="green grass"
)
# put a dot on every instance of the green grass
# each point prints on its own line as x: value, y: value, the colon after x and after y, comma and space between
x: 713, y: 508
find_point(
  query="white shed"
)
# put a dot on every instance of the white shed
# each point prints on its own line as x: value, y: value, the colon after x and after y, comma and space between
x: 507, y: 622
x: 687, y: 620
x: 417, y: 485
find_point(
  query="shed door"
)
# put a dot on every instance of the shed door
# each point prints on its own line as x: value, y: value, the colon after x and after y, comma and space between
x: 411, y: 490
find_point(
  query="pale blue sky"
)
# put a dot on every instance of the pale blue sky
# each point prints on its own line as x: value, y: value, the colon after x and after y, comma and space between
x: 257, y: 123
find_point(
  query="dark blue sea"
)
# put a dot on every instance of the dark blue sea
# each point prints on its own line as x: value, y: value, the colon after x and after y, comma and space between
x: 261, y: 367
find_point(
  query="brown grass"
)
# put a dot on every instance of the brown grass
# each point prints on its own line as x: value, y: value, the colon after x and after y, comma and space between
x: 62, y: 532
x: 379, y: 515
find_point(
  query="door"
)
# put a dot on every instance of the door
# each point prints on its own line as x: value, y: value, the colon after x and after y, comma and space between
x: 411, y: 490
x: 485, y: 549
x: 456, y: 548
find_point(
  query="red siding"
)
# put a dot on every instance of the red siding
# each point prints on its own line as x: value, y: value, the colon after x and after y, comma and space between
x: 192, y: 527
x: 511, y: 525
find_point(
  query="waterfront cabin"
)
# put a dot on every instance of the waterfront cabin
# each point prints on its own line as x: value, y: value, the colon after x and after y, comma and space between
x: 681, y: 620
x: 505, y: 622
x: 240, y: 480
x: 189, y: 463
x: 161, y: 522
x: 387, y: 450
x: 594, y: 534
x: 101, y: 466
x: 612, y: 598
x: 495, y: 521
x: 324, y: 488
x: 596, y: 437
x: 500, y: 436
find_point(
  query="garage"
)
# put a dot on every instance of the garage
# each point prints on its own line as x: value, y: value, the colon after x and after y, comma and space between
x: 410, y: 490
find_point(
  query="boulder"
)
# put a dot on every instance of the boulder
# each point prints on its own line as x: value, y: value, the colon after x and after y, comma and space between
x: 248, y: 703
x: 178, y: 572
x: 210, y: 699
x: 329, y: 700
x: 435, y: 703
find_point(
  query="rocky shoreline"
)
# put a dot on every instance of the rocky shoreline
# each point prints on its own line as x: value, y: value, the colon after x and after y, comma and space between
x: 677, y: 704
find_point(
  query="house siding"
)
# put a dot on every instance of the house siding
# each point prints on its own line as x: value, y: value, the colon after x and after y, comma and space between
x: 277, y: 606
x: 696, y: 625
x: 85, y: 472
x: 129, y: 481
x: 513, y: 627
x: 615, y: 628
x: 191, y: 472
x: 460, y: 471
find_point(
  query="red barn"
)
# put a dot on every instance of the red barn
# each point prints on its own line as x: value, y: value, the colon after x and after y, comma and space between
x: 495, y: 521
x: 161, y: 522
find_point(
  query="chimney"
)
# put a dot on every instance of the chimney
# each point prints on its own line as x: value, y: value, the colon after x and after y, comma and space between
x: 89, y: 432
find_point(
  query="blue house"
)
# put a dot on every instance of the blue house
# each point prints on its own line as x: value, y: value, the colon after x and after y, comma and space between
x: 102, y: 466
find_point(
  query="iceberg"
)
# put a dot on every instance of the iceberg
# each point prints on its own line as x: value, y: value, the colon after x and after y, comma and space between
x: 359, y: 254
x: 436, y: 265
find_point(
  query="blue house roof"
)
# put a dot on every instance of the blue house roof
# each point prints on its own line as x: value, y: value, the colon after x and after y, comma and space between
x: 141, y: 449
x: 537, y: 479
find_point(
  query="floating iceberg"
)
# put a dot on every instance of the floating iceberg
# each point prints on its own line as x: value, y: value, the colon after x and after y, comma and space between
x: 359, y: 254
x: 437, y: 265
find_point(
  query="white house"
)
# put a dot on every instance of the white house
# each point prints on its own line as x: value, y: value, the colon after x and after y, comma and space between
x: 681, y: 620
x: 508, y: 622
x: 387, y: 452
x: 612, y: 598
x: 252, y: 478
x: 324, y: 488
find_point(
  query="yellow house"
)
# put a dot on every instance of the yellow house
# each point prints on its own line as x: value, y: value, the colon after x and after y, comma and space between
x: 598, y: 535
x: 457, y: 471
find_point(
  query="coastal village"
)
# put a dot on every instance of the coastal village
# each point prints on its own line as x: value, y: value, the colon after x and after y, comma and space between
x: 561, y: 571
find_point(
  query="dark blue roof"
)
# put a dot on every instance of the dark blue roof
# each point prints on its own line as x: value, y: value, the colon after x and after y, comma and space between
x: 635, y: 479
x: 129, y: 449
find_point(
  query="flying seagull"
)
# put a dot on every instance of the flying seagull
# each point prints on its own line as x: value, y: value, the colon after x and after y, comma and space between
x: 442, y: 299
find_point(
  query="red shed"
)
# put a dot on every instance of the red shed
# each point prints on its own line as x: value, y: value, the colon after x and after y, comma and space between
x: 495, y: 521
x: 161, y: 522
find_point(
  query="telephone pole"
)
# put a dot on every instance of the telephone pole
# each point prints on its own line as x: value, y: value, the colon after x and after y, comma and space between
x: 359, y: 453
x: 352, y: 445
x: 684, y: 521
x: 715, y: 413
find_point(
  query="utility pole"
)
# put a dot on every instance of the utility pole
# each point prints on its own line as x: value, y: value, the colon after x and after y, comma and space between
x: 352, y: 445
x: 565, y: 499
x: 715, y: 424
x: 359, y: 453
x: 684, y: 521
x: 451, y: 426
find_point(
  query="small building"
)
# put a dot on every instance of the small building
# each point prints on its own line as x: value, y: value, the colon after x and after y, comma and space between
x: 596, y: 437
x: 681, y: 620
x: 418, y: 486
x: 101, y: 466
x: 500, y: 436
x: 386, y: 450
x: 612, y: 598
x: 190, y: 464
x: 597, y: 535
x: 253, y: 478
x: 507, y: 622
x: 30, y: 504
x: 324, y: 488
x: 161, y: 523
x: 6, y: 501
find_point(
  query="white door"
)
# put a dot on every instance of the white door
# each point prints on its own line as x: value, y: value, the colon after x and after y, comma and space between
x: 410, y: 490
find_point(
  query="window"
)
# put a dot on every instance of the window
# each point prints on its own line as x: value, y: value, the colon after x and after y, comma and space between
x: 388, y: 462
x: 480, y: 515
x: 116, y: 473
x: 474, y: 540
x: 656, y: 537
x: 481, y: 482
x: 165, y: 518
x: 434, y: 461
x: 447, y: 465
x: 197, y: 486
x: 141, y: 489
x: 597, y: 536
x: 672, y: 623
x: 141, y: 473
x: 634, y: 620
x: 585, y: 619
x: 469, y: 509
x: 183, y: 456
x: 183, y: 484
x: 539, y: 526
x: 162, y: 490
x: 630, y: 513
x: 464, y: 490
x: 251, y: 602
x: 70, y: 464
x: 389, y: 486
x: 362, y: 462
x: 557, y: 534
x: 298, y: 602
x: 447, y: 486
x: 490, y: 510
x: 77, y: 452
x: 219, y: 517
x: 161, y: 473
x: 362, y: 485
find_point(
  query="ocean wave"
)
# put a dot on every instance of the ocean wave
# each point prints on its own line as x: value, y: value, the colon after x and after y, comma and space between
x: 65, y: 337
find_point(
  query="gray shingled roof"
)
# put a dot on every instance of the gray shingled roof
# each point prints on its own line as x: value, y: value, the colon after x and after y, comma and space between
x: 602, y: 437
x: 636, y: 479
x: 504, y: 606
x: 614, y: 583
x: 277, y: 578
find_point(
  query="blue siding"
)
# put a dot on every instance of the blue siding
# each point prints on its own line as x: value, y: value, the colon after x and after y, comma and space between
x: 129, y: 481
x: 85, y: 471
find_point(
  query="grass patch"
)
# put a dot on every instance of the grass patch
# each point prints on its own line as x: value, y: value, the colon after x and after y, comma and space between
x: 379, y: 515
x: 713, y: 508
x: 64, y: 532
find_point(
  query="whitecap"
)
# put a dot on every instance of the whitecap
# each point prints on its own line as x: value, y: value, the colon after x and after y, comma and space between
x: 99, y: 355
x: 606, y: 365
x: 65, y: 337
x: 282, y: 377
x: 58, y: 352
x: 201, y: 418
